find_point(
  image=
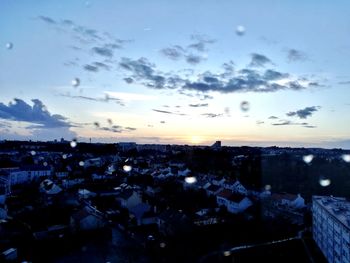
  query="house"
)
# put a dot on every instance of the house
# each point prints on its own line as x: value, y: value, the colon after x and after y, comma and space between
x: 212, y: 189
x: 129, y: 198
x: 235, y: 203
x: 236, y: 187
x: 289, y: 200
x: 143, y: 214
x: 85, y: 194
x: 88, y: 218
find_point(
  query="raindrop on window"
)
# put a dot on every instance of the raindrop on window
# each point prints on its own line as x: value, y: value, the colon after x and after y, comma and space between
x: 97, y: 125
x: 308, y: 158
x: 190, y: 180
x: 267, y: 187
x: 75, y: 82
x: 346, y: 158
x: 45, y: 163
x: 9, y: 45
x: 324, y: 181
x: 162, y: 245
x: 64, y: 156
x: 127, y: 168
x: 227, y: 253
x: 81, y: 163
x: 240, y: 30
x: 245, y: 106
x: 73, y: 143
x: 33, y: 153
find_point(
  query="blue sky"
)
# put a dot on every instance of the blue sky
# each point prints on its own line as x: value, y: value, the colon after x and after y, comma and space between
x: 176, y: 71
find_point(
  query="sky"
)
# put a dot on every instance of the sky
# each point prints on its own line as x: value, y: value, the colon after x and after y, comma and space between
x: 256, y: 73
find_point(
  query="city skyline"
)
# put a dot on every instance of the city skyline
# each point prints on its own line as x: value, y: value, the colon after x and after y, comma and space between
x: 245, y: 73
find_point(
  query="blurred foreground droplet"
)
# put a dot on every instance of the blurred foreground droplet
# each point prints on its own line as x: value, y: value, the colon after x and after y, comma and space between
x: 75, y: 82
x: 190, y: 180
x: 240, y: 30
x: 9, y: 45
x: 127, y: 168
x: 227, y: 253
x: 308, y: 158
x: 73, y: 143
x: 267, y: 187
x: 33, y: 153
x: 324, y: 182
x: 245, y: 106
x: 346, y: 158
x: 81, y: 163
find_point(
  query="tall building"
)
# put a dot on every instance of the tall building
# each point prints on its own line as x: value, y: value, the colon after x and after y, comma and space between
x: 331, y: 227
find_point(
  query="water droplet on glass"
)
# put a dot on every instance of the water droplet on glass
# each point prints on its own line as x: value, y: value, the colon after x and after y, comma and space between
x: 75, y: 82
x: 127, y: 168
x: 45, y: 163
x: 9, y: 45
x: 73, y: 143
x: 81, y: 163
x: 190, y: 180
x: 64, y: 156
x: 97, y: 125
x: 245, y: 106
x: 33, y: 153
x: 346, y: 158
x: 308, y: 158
x: 227, y: 110
x: 110, y: 122
x: 267, y: 187
x: 240, y: 30
x: 324, y: 181
x: 227, y: 253
x: 162, y: 245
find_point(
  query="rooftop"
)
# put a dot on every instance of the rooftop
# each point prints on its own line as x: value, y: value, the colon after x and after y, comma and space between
x: 338, y: 207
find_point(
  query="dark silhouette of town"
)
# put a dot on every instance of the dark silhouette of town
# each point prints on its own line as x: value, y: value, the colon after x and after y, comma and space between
x: 69, y: 201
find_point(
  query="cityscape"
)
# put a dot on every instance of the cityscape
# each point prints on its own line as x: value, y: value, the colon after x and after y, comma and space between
x: 174, y: 131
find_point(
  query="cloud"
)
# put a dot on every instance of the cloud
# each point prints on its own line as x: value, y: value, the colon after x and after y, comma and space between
x: 174, y: 52
x: 199, y: 105
x: 212, y: 115
x: 303, y: 113
x: 272, y: 118
x: 294, y: 55
x: 169, y: 112
x: 227, y: 81
x: 259, y: 60
x: 115, y: 128
x: 47, y: 19
x: 107, y: 98
x: 200, y: 42
x: 129, y: 80
x: 310, y: 126
x: 103, y: 51
x: 344, y: 82
x: 101, y: 65
x: 260, y: 122
x: 288, y: 122
x: 36, y: 114
x: 91, y: 68
x: 194, y: 59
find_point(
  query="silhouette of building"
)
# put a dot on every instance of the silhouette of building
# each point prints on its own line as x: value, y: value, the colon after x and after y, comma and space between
x: 331, y: 227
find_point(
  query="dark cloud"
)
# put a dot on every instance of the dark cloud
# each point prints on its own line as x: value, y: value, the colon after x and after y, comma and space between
x: 36, y: 114
x: 260, y: 122
x: 200, y: 42
x: 303, y: 113
x: 295, y: 55
x: 162, y: 122
x: 199, y: 105
x: 194, y: 59
x: 115, y: 128
x: 105, y: 99
x: 91, y: 68
x: 169, y: 112
x: 101, y: 65
x: 288, y: 122
x: 273, y: 117
x: 212, y: 115
x: 128, y: 80
x: 259, y: 60
x: 47, y: 19
x: 310, y: 126
x: 274, y: 75
x: 174, y: 52
x: 103, y: 51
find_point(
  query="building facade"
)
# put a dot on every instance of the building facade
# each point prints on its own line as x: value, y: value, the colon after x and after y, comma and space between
x: 331, y: 227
